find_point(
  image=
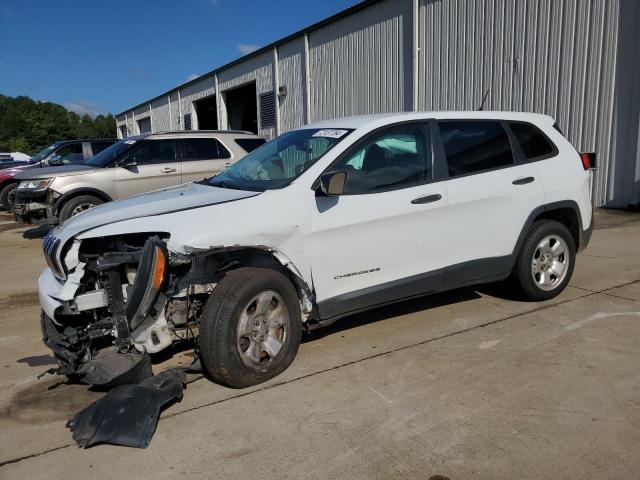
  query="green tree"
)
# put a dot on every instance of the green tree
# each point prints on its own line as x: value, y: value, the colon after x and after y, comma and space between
x: 27, y: 125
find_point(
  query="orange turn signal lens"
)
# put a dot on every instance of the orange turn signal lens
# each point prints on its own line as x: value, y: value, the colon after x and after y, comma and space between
x: 158, y: 274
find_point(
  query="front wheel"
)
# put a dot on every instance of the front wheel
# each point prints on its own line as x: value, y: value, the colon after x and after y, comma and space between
x: 546, y: 260
x: 78, y: 205
x: 251, y: 327
x: 5, y: 196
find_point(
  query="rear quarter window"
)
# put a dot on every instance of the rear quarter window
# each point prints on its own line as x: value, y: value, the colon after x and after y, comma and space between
x: 532, y: 141
x: 249, y: 144
x: 202, y: 149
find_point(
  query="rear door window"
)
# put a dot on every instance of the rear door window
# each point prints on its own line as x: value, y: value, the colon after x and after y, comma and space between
x: 70, y: 154
x: 475, y: 146
x: 97, y: 147
x: 154, y: 151
x: 533, y: 142
x: 202, y: 149
x: 249, y: 144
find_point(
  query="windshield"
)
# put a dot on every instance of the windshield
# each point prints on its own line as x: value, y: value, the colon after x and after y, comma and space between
x: 43, y: 153
x: 278, y: 163
x: 109, y: 154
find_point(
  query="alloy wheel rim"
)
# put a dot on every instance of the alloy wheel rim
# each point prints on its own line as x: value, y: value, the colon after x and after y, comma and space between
x: 262, y: 330
x: 550, y: 262
x: 83, y: 207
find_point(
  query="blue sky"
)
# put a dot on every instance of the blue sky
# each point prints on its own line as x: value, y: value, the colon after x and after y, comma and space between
x: 98, y: 56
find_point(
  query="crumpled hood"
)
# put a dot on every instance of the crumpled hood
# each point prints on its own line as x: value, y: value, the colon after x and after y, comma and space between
x: 48, y: 172
x: 181, y: 197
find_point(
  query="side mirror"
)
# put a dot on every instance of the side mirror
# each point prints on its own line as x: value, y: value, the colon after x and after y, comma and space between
x: 332, y: 183
x: 55, y: 160
x: 129, y: 162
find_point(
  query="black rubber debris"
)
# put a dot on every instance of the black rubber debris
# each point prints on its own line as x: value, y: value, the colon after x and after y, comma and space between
x: 128, y: 414
x: 110, y: 368
x: 36, y: 233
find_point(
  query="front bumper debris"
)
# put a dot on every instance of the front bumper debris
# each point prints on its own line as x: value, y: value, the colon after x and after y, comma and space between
x: 128, y: 414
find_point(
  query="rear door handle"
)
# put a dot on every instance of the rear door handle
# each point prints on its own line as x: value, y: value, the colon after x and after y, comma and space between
x: 168, y: 170
x: 523, y: 180
x: 428, y: 199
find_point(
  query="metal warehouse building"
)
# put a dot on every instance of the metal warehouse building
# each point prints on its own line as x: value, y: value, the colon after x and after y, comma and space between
x: 576, y: 60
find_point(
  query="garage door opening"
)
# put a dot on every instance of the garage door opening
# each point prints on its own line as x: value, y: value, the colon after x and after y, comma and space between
x: 242, y: 110
x: 207, y: 113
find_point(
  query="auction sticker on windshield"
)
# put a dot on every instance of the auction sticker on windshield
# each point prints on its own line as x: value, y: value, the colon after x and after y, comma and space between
x: 330, y: 133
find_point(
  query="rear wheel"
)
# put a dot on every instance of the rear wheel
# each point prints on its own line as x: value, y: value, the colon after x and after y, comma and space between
x: 78, y: 205
x: 5, y: 196
x: 251, y: 327
x: 546, y: 260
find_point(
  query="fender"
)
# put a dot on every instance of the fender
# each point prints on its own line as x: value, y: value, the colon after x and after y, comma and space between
x: 305, y: 291
x: 584, y: 235
x: 79, y: 191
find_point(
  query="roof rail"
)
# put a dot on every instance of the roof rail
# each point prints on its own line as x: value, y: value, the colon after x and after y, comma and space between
x: 202, y: 131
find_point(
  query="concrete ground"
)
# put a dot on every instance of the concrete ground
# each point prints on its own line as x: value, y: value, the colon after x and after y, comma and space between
x: 468, y: 384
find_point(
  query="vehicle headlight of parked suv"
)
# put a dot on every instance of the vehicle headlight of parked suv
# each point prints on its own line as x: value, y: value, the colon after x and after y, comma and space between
x: 35, y: 185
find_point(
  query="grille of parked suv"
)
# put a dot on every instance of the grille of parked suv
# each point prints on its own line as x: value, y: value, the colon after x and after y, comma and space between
x: 50, y: 247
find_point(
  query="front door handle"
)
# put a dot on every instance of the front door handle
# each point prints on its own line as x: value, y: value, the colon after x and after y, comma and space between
x: 428, y: 199
x: 523, y: 180
x: 168, y: 170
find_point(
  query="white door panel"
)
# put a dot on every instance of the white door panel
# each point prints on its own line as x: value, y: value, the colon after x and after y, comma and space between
x: 487, y: 212
x: 366, y: 240
x: 145, y: 178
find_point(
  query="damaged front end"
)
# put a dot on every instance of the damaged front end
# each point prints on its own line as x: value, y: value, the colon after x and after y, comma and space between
x: 113, y: 309
x: 109, y: 302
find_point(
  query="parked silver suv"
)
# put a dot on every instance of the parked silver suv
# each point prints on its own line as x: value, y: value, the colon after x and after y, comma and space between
x: 132, y: 166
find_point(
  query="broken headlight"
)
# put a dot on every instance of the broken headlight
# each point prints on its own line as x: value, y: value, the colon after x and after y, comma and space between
x: 150, y: 277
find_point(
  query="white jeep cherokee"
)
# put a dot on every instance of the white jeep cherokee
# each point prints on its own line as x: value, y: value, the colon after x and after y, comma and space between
x: 330, y: 219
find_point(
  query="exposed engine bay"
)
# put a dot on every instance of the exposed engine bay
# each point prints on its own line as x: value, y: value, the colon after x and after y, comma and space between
x: 127, y: 296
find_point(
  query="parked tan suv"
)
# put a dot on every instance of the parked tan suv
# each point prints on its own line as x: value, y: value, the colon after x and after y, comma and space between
x: 132, y: 166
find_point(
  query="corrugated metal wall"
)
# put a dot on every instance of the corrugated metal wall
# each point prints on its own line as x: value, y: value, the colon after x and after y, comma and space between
x: 121, y: 120
x: 291, y: 76
x: 362, y: 63
x: 160, y: 114
x: 548, y: 56
x: 175, y: 121
x: 623, y: 172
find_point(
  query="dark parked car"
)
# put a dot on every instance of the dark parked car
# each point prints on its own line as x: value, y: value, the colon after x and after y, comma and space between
x: 66, y: 152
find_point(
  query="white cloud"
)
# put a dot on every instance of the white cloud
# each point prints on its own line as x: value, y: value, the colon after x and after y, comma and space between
x: 82, y: 107
x: 193, y: 76
x: 246, y: 48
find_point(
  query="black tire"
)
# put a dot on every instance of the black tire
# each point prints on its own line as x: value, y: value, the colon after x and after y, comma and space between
x: 219, y: 342
x: 67, y: 209
x: 523, y: 273
x: 4, y: 196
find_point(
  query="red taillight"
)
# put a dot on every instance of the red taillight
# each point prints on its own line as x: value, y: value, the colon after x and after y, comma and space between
x: 586, y: 161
